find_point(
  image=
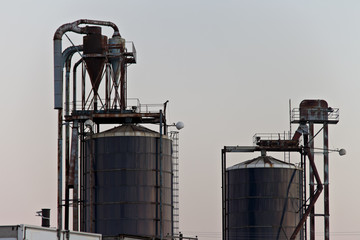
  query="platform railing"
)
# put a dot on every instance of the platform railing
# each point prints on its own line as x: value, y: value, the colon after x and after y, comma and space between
x: 315, y: 114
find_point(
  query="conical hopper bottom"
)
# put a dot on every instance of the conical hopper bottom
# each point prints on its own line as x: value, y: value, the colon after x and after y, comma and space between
x: 95, y: 67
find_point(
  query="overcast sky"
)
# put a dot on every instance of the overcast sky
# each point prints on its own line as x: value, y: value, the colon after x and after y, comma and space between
x: 228, y: 69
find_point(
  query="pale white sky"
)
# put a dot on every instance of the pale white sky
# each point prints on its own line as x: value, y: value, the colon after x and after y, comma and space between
x: 228, y: 69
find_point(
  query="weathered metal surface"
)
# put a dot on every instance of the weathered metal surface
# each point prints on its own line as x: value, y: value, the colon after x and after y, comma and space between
x: 59, y: 172
x: 95, y: 47
x: 73, y: 156
x: 126, y: 189
x: 45, y: 217
x: 326, y: 183
x: 262, y: 202
x: 263, y: 162
x: 74, y: 27
x: 128, y: 130
x: 316, y: 194
x: 262, y: 148
x: 312, y: 181
x: 314, y: 110
x: 223, y: 196
x: 115, y: 117
x: 96, y: 52
x: 58, y: 58
x: 278, y: 143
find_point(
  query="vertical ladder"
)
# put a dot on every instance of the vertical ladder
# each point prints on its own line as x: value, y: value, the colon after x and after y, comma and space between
x: 174, y: 135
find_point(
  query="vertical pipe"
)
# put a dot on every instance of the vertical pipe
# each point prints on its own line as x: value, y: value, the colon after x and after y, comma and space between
x: 83, y: 86
x: 157, y: 190
x: 301, y: 191
x: 74, y: 88
x: 91, y: 204
x: 172, y: 189
x: 304, y: 193
x: 76, y: 170
x: 312, y: 187
x: 67, y: 143
x: 60, y: 173
x: 290, y: 133
x: 122, y: 84
x: 227, y: 200
x: 75, y: 160
x: 82, y: 167
x: 58, y: 74
x: 326, y: 183
x: 74, y: 82
x: 161, y: 182
x: 107, y: 86
x: 223, y: 186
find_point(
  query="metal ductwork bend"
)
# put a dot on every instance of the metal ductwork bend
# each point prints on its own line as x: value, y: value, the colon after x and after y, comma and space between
x: 58, y: 57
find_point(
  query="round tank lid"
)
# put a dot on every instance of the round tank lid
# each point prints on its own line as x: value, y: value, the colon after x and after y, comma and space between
x: 263, y: 162
x: 128, y: 130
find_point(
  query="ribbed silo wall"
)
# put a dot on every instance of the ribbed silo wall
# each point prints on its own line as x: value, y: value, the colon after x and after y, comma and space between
x: 124, y: 186
x: 263, y: 203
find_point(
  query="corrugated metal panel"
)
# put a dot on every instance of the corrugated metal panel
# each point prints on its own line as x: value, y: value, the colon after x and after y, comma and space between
x: 126, y: 183
x: 263, y: 200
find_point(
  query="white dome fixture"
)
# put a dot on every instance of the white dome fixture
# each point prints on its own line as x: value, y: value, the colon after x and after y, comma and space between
x: 179, y: 125
x: 89, y: 123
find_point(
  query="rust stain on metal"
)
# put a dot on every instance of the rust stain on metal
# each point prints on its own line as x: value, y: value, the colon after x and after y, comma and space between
x: 95, y: 47
x: 314, y: 110
x: 73, y: 156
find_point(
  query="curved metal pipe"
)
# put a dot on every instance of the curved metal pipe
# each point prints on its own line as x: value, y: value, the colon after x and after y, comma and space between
x: 69, y: 163
x: 70, y: 51
x: 58, y: 57
x: 74, y: 82
x: 74, y: 27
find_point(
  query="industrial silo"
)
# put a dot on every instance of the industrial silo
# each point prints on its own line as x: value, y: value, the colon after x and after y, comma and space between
x: 128, y: 183
x: 263, y: 199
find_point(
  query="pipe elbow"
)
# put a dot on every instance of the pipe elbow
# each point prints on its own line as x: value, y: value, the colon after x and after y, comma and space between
x: 72, y: 27
x: 101, y: 23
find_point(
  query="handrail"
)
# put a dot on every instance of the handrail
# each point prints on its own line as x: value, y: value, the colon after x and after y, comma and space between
x: 326, y: 114
x: 136, y: 106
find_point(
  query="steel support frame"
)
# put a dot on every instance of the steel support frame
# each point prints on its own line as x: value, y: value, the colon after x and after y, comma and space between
x: 311, y: 181
x: 326, y: 182
x: 306, y: 151
x: 112, y: 114
x: 224, y: 175
x: 316, y: 194
x: 321, y: 186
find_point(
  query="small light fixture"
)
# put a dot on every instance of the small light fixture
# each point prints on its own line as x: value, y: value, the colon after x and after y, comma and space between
x: 89, y: 123
x: 179, y: 125
x: 342, y: 152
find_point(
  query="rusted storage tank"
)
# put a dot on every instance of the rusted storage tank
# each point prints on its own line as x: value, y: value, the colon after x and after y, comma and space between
x: 263, y: 199
x: 122, y: 183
